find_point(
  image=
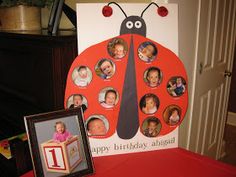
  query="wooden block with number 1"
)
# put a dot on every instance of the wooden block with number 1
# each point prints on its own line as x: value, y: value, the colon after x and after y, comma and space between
x: 61, y: 157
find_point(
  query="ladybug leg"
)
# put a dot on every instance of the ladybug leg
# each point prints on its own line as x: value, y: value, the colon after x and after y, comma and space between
x: 128, y: 120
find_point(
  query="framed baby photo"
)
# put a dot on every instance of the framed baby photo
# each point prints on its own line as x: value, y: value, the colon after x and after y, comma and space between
x: 59, y: 144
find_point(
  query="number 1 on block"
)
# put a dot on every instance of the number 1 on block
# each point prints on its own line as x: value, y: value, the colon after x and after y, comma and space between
x: 54, y: 158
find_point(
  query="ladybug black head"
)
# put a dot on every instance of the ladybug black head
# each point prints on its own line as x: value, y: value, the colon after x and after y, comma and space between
x: 133, y: 24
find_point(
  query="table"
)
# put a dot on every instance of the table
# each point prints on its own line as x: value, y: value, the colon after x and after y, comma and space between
x: 174, y: 162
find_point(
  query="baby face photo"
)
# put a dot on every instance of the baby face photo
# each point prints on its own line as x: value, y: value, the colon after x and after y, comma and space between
x: 77, y: 100
x: 149, y: 103
x: 176, y: 86
x: 172, y: 115
x: 105, y: 68
x: 58, y: 140
x: 97, y: 125
x: 147, y: 51
x: 152, y: 76
x: 117, y: 48
x: 151, y: 127
x: 108, y: 97
x: 82, y: 76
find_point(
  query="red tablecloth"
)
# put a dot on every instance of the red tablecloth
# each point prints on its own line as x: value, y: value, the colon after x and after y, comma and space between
x: 175, y: 162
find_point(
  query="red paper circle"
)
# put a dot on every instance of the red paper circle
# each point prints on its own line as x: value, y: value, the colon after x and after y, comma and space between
x: 107, y: 11
x: 162, y: 11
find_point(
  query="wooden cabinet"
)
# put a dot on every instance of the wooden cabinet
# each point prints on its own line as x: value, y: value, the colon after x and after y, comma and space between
x: 33, y: 71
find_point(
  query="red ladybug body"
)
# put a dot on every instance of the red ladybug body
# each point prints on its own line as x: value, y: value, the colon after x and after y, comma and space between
x: 168, y: 63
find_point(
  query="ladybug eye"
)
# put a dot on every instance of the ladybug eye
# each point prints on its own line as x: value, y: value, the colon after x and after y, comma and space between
x: 138, y: 24
x: 129, y: 24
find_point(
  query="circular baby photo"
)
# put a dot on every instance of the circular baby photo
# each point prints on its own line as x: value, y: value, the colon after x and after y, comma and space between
x: 172, y: 115
x: 152, y: 76
x: 82, y: 76
x: 97, y: 125
x: 176, y: 86
x: 108, y: 97
x: 151, y: 127
x: 117, y: 48
x: 147, y: 51
x: 105, y: 68
x: 77, y: 100
x: 149, y: 103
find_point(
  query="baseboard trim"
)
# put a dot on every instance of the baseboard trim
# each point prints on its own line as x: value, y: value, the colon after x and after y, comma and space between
x: 231, y: 119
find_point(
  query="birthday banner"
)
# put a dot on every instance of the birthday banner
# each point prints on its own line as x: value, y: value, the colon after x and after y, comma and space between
x: 127, y: 77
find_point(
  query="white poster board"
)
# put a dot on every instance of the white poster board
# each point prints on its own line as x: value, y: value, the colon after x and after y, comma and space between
x: 94, y: 28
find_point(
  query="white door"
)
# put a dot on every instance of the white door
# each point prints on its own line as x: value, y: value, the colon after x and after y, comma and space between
x: 215, y: 40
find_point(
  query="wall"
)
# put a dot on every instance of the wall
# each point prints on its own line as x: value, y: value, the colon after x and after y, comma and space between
x: 188, y: 10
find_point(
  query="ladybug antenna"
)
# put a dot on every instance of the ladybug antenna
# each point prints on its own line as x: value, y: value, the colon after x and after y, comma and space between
x: 119, y: 7
x: 148, y: 7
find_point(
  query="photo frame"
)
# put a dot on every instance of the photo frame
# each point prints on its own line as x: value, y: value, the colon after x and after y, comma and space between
x: 55, y: 152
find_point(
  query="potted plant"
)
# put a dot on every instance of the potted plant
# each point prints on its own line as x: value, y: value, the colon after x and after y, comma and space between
x: 22, y: 14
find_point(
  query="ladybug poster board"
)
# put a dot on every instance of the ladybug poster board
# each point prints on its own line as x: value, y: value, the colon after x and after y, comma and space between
x: 128, y: 78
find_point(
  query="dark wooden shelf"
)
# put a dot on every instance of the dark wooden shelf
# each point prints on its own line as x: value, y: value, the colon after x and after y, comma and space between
x: 33, y: 71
